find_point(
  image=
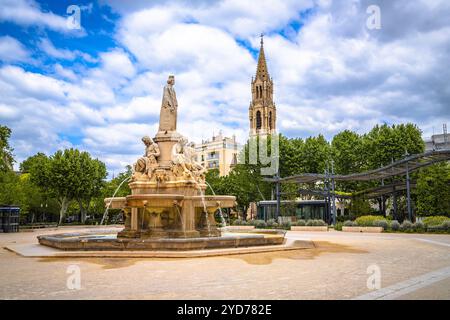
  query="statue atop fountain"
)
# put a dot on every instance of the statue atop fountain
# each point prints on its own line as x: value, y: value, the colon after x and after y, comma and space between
x: 169, y: 107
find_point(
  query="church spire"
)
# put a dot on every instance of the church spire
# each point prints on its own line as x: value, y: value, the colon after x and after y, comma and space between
x: 261, y: 70
x: 262, y: 111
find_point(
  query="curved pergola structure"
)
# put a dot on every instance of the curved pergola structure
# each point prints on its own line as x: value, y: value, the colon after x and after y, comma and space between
x: 399, y: 168
x: 402, y: 167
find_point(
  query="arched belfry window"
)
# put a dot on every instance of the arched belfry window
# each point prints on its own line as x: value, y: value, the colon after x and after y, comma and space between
x: 270, y: 120
x: 258, y: 120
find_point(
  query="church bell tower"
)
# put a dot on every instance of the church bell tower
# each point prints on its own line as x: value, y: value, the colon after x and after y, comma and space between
x: 262, y: 111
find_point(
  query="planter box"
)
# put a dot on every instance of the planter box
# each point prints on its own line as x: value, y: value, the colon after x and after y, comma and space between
x: 363, y: 229
x: 309, y: 228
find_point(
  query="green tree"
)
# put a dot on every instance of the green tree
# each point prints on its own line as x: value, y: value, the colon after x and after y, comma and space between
x: 433, y: 190
x: 90, y: 180
x: 315, y: 154
x: 6, y: 152
x: 291, y: 155
x: 107, y: 191
x: 68, y: 175
x: 384, y: 144
x: 346, y: 150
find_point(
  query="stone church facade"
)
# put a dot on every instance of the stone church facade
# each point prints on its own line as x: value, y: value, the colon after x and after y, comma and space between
x: 262, y: 110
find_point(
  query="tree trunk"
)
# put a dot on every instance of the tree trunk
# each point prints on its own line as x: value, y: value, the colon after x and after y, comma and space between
x: 82, y: 211
x: 64, y: 204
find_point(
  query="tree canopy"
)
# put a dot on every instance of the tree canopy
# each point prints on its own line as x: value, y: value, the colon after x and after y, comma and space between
x: 6, y: 152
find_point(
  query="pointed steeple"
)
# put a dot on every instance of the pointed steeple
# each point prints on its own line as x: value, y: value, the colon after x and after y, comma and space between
x: 261, y: 70
x: 262, y: 111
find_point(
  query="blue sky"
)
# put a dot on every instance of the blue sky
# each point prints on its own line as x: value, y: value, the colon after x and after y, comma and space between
x: 99, y: 88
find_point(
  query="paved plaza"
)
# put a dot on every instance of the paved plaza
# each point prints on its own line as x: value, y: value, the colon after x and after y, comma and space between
x: 411, y: 266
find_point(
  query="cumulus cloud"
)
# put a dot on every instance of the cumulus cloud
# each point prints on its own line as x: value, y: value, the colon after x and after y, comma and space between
x: 12, y: 50
x: 29, y: 13
x: 330, y: 72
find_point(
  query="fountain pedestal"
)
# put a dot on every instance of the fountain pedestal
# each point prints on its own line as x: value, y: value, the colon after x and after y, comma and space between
x: 172, y: 209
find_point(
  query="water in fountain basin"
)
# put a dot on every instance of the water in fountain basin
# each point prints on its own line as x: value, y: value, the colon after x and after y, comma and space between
x: 202, y: 194
x: 105, y: 214
x: 222, y: 218
x: 181, y: 220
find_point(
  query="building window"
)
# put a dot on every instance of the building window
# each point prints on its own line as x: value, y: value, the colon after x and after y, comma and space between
x: 258, y: 120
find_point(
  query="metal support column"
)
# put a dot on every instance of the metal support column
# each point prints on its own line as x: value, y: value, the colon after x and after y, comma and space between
x: 394, y: 200
x: 333, y: 196
x: 278, y: 191
x: 382, y: 204
x: 408, y: 194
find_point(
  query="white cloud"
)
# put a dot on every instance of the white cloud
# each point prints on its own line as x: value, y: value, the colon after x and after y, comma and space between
x: 48, y: 47
x: 332, y: 75
x: 29, y: 13
x: 64, y: 72
x: 50, y: 50
x: 12, y: 50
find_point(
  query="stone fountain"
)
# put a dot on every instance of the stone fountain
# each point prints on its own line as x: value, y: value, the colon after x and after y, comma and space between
x: 168, y: 185
x: 167, y: 208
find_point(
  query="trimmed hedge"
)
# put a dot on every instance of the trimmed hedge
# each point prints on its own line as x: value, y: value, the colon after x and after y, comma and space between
x: 435, y: 221
x: 368, y: 221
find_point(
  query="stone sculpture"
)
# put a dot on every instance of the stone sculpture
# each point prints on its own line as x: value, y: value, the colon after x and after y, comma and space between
x: 169, y: 106
x: 147, y: 164
x: 184, y: 162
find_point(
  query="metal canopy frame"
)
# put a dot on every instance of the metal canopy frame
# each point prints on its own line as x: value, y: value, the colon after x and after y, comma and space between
x: 402, y: 167
x: 398, y: 168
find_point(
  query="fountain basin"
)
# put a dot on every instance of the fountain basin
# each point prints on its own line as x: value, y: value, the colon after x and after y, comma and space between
x: 108, y: 241
x: 168, y: 200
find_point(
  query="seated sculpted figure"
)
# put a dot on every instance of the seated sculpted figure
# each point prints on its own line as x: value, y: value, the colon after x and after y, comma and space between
x: 148, y: 162
x: 196, y: 167
x: 183, y: 158
x: 179, y: 158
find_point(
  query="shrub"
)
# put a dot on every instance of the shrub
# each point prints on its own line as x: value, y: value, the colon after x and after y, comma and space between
x: 435, y: 220
x: 315, y: 223
x: 286, y: 225
x: 240, y: 222
x: 349, y: 223
x: 381, y: 223
x: 301, y: 223
x: 338, y: 226
x: 368, y: 221
x: 320, y: 223
x: 446, y: 225
x: 258, y: 223
x: 395, y: 226
x: 271, y: 223
x: 418, y: 226
x: 237, y: 222
x: 406, y: 226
